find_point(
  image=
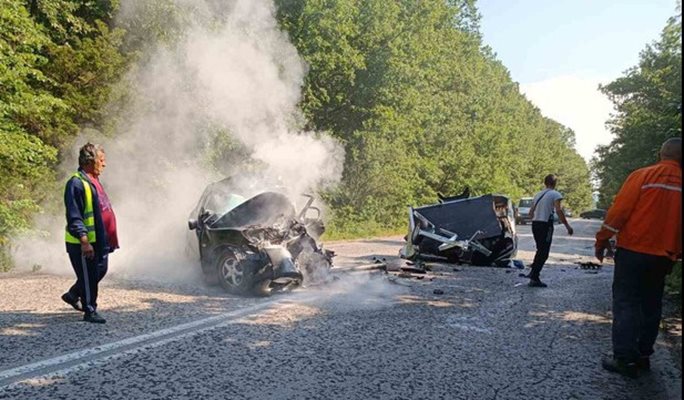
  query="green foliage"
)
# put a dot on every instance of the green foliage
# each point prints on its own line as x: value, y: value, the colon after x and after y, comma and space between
x: 648, y: 100
x: 59, y: 61
x: 25, y: 164
x: 150, y: 22
x: 673, y: 282
x: 85, y: 73
x: 420, y: 104
x: 422, y: 108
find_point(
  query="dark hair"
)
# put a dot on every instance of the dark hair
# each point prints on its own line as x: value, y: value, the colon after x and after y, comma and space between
x: 550, y: 180
x: 88, y: 154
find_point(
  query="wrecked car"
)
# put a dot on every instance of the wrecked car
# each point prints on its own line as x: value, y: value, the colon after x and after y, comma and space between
x: 257, y: 245
x: 461, y: 229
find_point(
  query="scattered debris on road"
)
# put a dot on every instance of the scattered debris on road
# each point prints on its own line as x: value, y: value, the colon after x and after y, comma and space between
x: 415, y: 270
x: 588, y: 265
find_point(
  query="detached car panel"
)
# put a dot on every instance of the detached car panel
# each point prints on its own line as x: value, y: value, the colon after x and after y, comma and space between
x: 478, y: 231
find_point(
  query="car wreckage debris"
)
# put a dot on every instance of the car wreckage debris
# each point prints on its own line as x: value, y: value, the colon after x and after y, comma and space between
x: 588, y: 265
x: 257, y: 245
x: 460, y: 229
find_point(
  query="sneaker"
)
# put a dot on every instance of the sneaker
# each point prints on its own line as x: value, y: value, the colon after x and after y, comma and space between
x: 94, y: 317
x: 70, y: 300
x: 644, y: 363
x: 536, y: 283
x: 621, y: 367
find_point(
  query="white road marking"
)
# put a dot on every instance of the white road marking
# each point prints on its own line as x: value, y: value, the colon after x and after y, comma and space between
x: 72, y: 361
x: 470, y: 328
x: 472, y: 324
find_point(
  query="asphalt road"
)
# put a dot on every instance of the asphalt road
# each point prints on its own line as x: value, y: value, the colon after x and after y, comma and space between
x: 367, y: 335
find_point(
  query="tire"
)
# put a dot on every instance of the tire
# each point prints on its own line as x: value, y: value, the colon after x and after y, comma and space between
x: 232, y: 275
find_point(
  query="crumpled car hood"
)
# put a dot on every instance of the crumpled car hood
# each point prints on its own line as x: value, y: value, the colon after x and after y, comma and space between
x: 263, y: 209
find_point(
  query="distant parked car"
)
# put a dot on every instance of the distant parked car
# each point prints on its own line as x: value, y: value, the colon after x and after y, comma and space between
x: 522, y: 216
x: 522, y: 211
x: 596, y: 213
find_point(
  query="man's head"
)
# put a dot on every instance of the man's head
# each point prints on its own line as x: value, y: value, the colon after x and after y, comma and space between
x: 550, y: 181
x: 671, y: 150
x: 91, y: 157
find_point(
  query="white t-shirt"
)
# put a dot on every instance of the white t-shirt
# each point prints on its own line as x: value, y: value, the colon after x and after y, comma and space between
x: 545, y: 206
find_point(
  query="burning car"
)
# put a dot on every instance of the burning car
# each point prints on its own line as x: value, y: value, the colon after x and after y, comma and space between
x: 461, y: 229
x: 257, y: 245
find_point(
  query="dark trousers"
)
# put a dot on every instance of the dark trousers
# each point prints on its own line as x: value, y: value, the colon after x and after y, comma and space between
x: 543, y: 234
x: 89, y: 272
x: 638, y: 283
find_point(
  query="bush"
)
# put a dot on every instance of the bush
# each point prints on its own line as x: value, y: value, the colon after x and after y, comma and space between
x: 673, y: 282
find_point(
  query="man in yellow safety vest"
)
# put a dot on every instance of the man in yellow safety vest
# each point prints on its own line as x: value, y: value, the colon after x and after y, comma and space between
x: 90, y: 232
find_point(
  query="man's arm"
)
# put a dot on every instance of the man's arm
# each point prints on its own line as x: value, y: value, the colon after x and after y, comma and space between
x: 619, y: 212
x: 561, y: 216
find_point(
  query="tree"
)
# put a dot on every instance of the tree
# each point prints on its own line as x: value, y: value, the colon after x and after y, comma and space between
x: 58, y: 63
x: 421, y: 106
x: 648, y: 101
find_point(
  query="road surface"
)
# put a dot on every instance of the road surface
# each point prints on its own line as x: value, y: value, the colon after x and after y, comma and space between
x: 368, y: 335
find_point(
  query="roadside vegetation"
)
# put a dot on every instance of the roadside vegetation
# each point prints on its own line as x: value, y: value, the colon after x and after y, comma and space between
x: 673, y: 283
x: 648, y: 101
x: 420, y: 103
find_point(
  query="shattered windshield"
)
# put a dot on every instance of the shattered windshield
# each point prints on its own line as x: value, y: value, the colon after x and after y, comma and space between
x: 221, y: 202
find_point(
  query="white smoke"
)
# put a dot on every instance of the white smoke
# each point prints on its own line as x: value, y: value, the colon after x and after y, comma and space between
x: 240, y: 75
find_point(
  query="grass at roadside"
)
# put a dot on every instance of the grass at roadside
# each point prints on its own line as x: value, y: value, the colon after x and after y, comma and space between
x: 673, y: 282
x: 673, y: 291
x: 360, y: 231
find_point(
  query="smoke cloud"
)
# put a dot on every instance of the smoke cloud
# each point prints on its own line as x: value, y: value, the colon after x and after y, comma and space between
x: 233, y: 75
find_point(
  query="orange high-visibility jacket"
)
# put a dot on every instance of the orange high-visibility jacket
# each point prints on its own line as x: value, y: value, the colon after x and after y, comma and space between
x: 646, y: 215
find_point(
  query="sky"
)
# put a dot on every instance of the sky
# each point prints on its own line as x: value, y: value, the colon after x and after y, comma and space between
x: 561, y: 50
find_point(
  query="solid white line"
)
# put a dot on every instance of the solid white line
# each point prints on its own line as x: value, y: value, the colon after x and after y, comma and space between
x: 163, y: 335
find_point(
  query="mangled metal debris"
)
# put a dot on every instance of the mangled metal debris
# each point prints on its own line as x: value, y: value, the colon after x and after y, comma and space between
x: 588, y: 265
x: 257, y: 245
x: 459, y: 229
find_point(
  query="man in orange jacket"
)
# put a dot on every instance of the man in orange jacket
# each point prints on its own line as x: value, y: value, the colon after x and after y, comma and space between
x: 646, y: 217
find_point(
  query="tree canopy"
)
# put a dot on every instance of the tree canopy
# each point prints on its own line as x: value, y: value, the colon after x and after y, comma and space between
x: 422, y: 107
x: 420, y: 103
x: 648, y: 103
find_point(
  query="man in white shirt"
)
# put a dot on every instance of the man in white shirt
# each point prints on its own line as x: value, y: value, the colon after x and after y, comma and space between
x: 543, y: 206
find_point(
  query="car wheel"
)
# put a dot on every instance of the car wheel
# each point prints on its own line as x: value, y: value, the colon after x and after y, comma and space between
x: 235, y: 277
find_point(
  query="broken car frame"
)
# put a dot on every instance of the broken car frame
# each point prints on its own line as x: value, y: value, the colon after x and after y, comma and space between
x: 478, y: 230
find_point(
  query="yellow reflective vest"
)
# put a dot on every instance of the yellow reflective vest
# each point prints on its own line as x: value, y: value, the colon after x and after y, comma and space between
x: 88, y: 215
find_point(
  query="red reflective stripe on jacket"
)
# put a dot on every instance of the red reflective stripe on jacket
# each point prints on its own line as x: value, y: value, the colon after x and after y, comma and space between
x: 647, y: 212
